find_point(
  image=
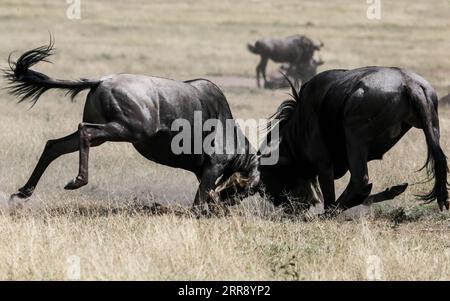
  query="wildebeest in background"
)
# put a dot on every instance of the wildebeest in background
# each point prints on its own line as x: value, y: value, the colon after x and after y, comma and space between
x: 294, y: 50
x: 137, y: 109
x: 340, y: 120
x: 303, y: 72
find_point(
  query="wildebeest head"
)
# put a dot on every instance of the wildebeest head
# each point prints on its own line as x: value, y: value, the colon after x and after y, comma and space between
x: 239, y: 179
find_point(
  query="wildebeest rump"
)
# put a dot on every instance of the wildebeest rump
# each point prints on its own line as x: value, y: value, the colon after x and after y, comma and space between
x: 137, y: 109
x: 294, y: 50
x: 340, y: 120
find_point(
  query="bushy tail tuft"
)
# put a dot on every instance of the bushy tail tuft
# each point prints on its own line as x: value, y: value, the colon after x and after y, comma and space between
x: 29, y: 85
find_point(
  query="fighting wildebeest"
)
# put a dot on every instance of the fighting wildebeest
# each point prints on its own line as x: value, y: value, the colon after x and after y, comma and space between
x: 137, y: 109
x: 293, y: 50
x: 337, y: 122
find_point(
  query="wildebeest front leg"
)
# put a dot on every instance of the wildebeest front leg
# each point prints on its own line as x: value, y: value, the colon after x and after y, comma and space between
x: 93, y: 135
x: 53, y: 149
x: 358, y: 188
x: 207, y: 183
x: 326, y: 182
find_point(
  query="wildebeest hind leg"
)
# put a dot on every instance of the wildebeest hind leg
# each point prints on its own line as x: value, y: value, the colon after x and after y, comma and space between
x: 53, y: 149
x: 261, y: 68
x: 388, y: 194
x: 91, y: 134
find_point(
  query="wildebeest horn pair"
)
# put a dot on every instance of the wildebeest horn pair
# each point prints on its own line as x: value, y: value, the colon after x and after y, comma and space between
x: 235, y: 179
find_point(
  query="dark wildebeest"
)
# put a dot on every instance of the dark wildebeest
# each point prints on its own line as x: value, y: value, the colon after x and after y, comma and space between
x: 340, y: 120
x: 293, y: 50
x: 140, y: 110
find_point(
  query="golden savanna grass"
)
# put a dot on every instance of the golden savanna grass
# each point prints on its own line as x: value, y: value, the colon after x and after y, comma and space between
x: 110, y: 224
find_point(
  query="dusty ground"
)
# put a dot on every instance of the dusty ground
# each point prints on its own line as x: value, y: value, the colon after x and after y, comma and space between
x: 107, y: 224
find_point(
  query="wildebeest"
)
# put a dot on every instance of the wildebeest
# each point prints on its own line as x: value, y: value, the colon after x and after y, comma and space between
x: 294, y: 50
x: 340, y: 120
x: 137, y: 109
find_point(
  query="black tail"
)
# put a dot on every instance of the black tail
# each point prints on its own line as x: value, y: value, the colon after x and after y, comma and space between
x: 252, y: 49
x: 29, y: 84
x: 425, y: 105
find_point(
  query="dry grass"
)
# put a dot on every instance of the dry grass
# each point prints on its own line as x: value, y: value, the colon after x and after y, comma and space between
x: 133, y: 244
x: 105, y: 223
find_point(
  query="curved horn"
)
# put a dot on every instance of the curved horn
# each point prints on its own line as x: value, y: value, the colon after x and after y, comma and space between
x: 318, y: 46
x: 218, y: 180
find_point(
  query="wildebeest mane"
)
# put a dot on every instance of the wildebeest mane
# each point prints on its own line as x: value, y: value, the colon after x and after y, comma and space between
x: 284, y: 110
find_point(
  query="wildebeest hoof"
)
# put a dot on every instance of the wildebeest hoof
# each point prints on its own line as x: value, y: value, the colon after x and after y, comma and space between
x: 443, y: 204
x: 394, y: 191
x: 16, y: 200
x: 75, y: 183
x: 20, y: 194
